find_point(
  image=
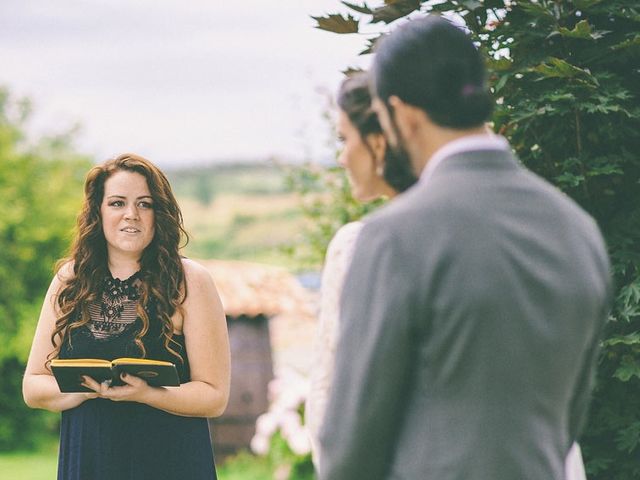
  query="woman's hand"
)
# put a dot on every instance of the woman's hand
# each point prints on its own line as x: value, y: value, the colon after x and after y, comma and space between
x: 134, y: 390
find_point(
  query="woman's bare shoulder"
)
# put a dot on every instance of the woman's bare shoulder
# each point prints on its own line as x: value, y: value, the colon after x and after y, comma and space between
x: 195, y: 274
x: 63, y: 274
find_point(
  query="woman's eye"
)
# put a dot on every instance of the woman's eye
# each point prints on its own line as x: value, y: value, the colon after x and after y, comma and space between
x: 116, y: 203
x: 145, y: 205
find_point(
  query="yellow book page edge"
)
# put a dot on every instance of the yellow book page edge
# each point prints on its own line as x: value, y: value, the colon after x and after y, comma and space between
x: 80, y: 362
x: 140, y: 361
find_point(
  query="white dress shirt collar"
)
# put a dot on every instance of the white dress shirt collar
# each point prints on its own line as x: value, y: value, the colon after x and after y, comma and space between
x: 465, y: 144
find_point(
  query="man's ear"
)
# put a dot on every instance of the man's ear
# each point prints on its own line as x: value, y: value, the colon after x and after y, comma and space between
x: 408, y: 118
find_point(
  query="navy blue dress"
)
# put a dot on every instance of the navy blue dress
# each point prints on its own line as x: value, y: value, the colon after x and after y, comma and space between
x: 106, y: 440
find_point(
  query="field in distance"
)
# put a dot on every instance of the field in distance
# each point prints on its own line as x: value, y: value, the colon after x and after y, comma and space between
x: 239, y: 212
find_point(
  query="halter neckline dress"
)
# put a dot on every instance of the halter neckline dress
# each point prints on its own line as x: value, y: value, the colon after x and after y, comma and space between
x: 106, y: 440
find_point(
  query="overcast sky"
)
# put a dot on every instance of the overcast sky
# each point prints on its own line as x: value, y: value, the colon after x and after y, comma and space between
x: 177, y: 81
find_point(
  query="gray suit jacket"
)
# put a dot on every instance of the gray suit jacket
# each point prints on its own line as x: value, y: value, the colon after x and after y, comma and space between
x: 470, y: 322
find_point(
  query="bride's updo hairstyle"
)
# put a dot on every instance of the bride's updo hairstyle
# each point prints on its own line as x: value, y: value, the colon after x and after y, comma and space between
x: 354, y: 99
x: 446, y: 80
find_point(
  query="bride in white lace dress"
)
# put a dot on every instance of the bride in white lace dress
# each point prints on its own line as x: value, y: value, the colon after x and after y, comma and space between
x: 373, y: 171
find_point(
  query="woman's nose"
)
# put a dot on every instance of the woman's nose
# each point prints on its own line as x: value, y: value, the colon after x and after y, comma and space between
x: 342, y: 159
x: 131, y: 212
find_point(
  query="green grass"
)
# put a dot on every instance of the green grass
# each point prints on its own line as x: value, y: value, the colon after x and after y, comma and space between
x: 245, y: 466
x: 30, y: 465
x: 43, y: 466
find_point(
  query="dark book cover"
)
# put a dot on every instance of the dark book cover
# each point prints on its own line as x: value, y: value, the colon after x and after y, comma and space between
x: 68, y: 373
x: 156, y: 375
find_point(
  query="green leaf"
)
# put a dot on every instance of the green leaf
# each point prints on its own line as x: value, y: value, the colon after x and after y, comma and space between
x: 581, y: 30
x: 630, y: 42
x: 561, y: 97
x: 337, y: 23
x: 630, y: 339
x: 364, y: 8
x: 630, y: 367
x: 628, y: 438
x: 350, y: 71
x: 605, y: 170
x: 392, y: 11
x: 442, y: 7
x: 371, y: 45
x: 558, y: 68
x: 471, y: 4
x: 569, y: 179
x: 535, y: 9
x: 501, y: 83
x: 582, y: 4
x: 629, y: 298
x: 502, y: 64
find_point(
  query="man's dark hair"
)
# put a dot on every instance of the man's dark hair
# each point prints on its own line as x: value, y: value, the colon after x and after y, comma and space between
x: 433, y: 65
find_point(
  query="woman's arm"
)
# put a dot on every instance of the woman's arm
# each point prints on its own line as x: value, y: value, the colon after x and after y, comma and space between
x: 39, y: 387
x: 207, y: 342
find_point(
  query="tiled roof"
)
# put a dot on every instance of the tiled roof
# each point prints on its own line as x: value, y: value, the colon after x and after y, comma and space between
x: 252, y: 289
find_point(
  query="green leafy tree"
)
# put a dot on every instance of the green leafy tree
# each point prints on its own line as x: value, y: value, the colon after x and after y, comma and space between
x: 326, y: 204
x: 566, y: 78
x: 40, y: 193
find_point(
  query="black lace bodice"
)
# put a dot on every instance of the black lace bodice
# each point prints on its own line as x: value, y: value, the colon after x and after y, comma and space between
x: 117, y: 310
x: 113, y: 325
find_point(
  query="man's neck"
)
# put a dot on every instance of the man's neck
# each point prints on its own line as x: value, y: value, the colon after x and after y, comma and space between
x: 432, y: 138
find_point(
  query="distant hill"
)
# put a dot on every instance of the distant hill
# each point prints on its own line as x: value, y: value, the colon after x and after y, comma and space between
x: 238, y: 211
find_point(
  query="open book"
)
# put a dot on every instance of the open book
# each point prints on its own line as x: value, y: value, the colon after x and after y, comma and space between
x: 68, y: 373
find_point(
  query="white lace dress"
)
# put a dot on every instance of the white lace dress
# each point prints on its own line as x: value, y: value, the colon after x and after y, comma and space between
x: 338, y: 259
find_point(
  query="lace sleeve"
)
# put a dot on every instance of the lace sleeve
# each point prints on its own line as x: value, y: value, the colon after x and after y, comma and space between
x: 337, y: 262
x: 573, y: 466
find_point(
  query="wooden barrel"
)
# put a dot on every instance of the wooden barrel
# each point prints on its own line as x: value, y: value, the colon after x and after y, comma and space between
x: 251, y: 372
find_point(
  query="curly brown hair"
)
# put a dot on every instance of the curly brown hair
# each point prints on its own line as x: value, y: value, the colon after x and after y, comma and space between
x: 161, y: 270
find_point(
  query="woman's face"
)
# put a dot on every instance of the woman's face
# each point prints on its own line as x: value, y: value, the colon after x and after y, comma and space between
x: 128, y: 219
x: 360, y: 161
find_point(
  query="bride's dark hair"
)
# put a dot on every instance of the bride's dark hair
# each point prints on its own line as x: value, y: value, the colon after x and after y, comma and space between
x: 354, y: 99
x: 161, y: 271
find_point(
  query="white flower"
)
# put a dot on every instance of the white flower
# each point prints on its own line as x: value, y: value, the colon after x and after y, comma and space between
x: 259, y: 445
x: 266, y: 424
x: 275, y: 388
x: 290, y: 424
x: 290, y: 399
x: 287, y: 392
x: 299, y: 442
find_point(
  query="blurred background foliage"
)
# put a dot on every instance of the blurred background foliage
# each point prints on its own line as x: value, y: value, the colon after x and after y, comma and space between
x: 40, y: 185
x: 241, y: 211
x: 326, y: 203
x: 566, y: 78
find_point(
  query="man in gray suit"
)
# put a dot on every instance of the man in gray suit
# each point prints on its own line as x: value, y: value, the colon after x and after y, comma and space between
x: 474, y: 304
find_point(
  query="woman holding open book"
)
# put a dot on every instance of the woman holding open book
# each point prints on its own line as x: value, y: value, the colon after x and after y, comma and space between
x: 125, y: 291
